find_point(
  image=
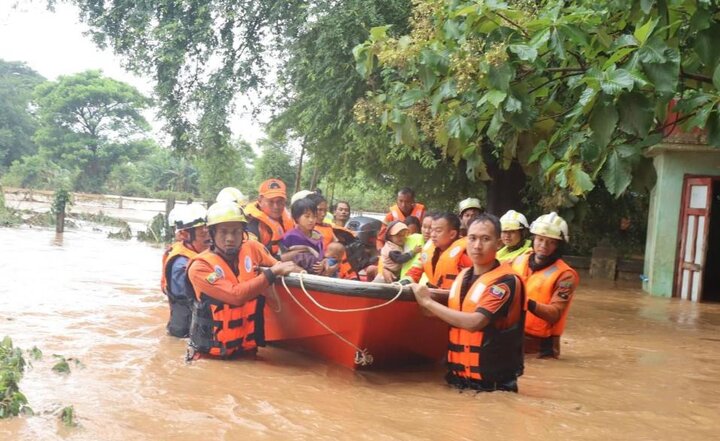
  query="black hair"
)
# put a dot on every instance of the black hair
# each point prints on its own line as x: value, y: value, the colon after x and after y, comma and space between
x: 452, y: 219
x: 317, y: 198
x: 408, y: 191
x: 301, y: 206
x: 489, y: 218
x: 341, y: 202
x: 412, y: 220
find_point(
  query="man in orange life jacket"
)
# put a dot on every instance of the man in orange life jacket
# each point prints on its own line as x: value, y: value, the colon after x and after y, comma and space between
x: 228, y: 311
x: 485, y: 314
x: 549, y: 283
x: 268, y: 217
x: 445, y: 257
x: 405, y: 206
x: 193, y: 238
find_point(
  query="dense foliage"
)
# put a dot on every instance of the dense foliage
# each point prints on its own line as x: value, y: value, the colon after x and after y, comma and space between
x: 17, y: 124
x: 576, y: 90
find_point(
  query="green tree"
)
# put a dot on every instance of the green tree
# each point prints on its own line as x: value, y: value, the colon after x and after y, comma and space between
x: 90, y: 122
x: 274, y: 162
x: 227, y: 166
x: 17, y: 124
x: 575, y: 90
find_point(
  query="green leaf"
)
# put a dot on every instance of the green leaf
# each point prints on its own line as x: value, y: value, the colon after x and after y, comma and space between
x: 427, y: 76
x: 616, y: 174
x: 636, y: 114
x: 379, y: 33
x: 410, y: 97
x: 580, y: 182
x: 716, y: 77
x: 546, y: 161
x: 539, y: 39
x: 512, y: 104
x: 643, y: 32
x: 556, y: 44
x: 407, y: 134
x: 494, y: 97
x: 713, y: 128
x: 575, y: 35
x: 539, y: 149
x: 706, y: 45
x: 603, y: 121
x: 460, y: 127
x: 646, y: 5
x: 524, y: 52
x: 613, y: 81
x: 499, y: 76
x: 618, y: 55
x: 655, y: 51
x: 495, y: 125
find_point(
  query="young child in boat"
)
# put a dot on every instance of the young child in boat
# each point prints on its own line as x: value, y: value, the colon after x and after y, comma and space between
x: 303, y: 244
x: 392, y: 254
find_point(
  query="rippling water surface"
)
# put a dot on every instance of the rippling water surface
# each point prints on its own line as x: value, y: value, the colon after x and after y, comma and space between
x: 633, y: 367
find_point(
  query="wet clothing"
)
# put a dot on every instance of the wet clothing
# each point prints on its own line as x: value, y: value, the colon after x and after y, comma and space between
x: 441, y: 267
x: 550, y: 286
x: 177, y: 288
x: 227, y: 314
x: 266, y: 230
x: 396, y: 215
x: 507, y: 253
x: 306, y: 261
x: 491, y: 358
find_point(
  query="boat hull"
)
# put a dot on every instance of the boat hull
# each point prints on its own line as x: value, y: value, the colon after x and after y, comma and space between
x: 394, y: 335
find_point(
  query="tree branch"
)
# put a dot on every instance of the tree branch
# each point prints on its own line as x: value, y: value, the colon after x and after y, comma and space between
x: 697, y: 77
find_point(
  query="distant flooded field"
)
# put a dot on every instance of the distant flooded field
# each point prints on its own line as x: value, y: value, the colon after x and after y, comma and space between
x: 633, y: 367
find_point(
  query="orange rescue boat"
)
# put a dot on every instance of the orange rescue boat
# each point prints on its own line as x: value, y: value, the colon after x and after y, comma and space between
x: 351, y: 323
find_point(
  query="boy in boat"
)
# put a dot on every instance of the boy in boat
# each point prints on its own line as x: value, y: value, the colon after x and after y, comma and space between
x: 303, y: 244
x: 392, y: 253
x: 485, y: 314
x: 405, y: 206
x: 228, y: 288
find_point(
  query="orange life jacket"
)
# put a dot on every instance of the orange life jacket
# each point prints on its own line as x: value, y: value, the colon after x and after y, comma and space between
x: 171, y: 253
x: 273, y: 230
x: 178, y: 324
x: 328, y: 236
x: 220, y: 329
x: 491, y: 354
x: 540, y: 286
x: 418, y: 211
x: 448, y: 265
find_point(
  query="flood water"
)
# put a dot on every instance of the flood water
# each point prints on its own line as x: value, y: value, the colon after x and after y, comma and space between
x: 633, y: 367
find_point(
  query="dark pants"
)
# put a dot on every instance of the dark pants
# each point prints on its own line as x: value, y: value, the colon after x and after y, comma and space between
x: 507, y: 385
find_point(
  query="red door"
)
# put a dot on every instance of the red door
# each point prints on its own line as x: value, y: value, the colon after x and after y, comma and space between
x: 695, y: 224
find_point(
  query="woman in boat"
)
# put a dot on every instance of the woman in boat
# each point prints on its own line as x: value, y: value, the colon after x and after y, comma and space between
x: 485, y: 314
x: 514, y: 236
x: 228, y: 308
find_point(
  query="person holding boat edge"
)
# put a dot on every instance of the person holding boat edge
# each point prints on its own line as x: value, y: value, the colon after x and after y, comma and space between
x: 228, y: 308
x: 485, y: 314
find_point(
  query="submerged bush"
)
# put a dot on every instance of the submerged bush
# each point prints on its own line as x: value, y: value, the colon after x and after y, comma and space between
x: 12, y: 367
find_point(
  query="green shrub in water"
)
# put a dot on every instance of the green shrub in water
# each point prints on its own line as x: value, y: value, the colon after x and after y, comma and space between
x: 157, y: 232
x: 68, y: 416
x: 12, y: 366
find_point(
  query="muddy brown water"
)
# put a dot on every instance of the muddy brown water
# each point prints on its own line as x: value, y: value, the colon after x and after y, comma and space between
x: 633, y: 367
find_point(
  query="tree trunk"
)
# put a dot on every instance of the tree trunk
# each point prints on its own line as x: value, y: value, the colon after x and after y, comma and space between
x: 504, y: 191
x: 298, y: 175
x: 60, y: 221
x: 313, y: 181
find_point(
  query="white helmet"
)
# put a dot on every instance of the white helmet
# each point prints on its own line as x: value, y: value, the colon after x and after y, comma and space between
x: 191, y: 216
x: 174, y: 214
x: 551, y: 225
x: 469, y: 203
x: 232, y: 194
x: 512, y: 220
x: 302, y: 194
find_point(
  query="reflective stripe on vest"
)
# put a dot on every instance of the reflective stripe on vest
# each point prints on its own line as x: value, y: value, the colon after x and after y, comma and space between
x: 271, y: 238
x: 175, y: 250
x: 540, y: 286
x: 491, y: 354
x: 220, y: 329
x: 448, y: 265
x: 503, y: 255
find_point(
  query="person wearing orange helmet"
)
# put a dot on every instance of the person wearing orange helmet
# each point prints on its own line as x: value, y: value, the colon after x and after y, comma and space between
x: 268, y: 218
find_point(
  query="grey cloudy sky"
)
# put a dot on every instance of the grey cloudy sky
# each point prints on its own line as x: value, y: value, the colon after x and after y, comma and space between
x: 53, y: 44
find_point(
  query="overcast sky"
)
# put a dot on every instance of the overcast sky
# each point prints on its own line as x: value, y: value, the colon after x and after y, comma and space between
x: 53, y: 44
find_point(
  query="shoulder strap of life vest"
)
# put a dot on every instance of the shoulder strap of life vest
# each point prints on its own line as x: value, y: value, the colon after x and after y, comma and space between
x: 276, y: 229
x: 175, y: 250
x: 448, y: 264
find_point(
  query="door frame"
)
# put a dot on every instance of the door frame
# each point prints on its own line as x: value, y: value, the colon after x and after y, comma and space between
x: 682, y: 231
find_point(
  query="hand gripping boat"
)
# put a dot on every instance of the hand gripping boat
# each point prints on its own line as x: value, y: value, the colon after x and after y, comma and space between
x: 351, y: 323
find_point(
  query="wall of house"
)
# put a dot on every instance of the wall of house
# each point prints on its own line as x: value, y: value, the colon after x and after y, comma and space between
x: 664, y: 216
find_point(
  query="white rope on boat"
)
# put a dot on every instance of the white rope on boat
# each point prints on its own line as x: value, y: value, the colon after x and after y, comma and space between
x: 362, y: 356
x: 368, y: 308
x: 277, y: 299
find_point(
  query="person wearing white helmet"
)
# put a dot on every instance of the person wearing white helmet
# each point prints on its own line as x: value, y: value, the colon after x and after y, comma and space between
x: 232, y: 194
x: 549, y: 283
x: 192, y: 238
x: 514, y: 230
x: 228, y: 286
x: 468, y: 209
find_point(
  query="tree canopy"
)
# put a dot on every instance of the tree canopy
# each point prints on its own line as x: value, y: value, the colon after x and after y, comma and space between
x: 576, y: 90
